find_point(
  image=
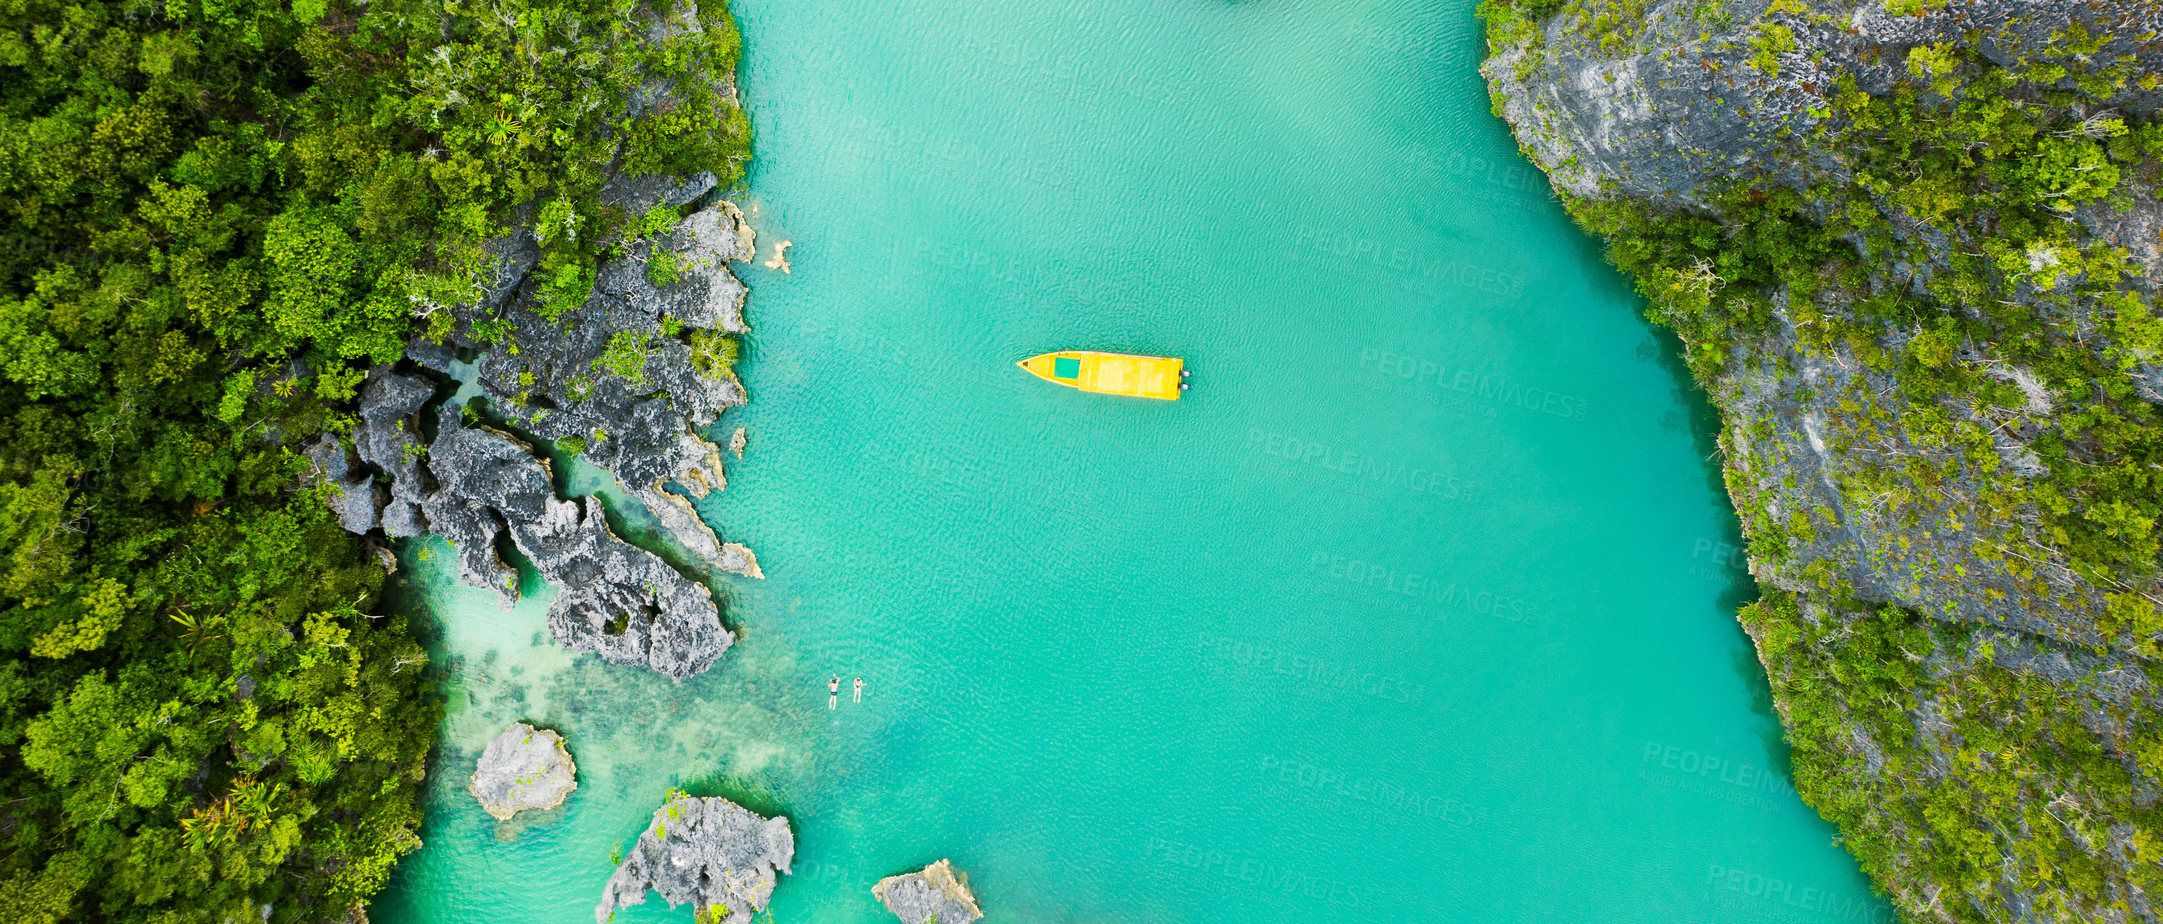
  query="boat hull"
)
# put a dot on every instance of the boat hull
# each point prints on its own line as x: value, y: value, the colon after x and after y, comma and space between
x: 1122, y: 374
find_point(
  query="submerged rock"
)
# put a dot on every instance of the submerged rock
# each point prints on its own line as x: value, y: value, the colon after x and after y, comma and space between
x: 711, y: 852
x: 933, y: 895
x: 523, y: 768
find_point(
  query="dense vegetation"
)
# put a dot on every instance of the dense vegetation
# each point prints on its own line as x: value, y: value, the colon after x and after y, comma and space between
x: 1987, y: 349
x: 217, y: 216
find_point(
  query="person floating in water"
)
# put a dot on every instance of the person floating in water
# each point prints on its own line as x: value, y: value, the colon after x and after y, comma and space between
x: 859, y: 689
x: 833, y: 693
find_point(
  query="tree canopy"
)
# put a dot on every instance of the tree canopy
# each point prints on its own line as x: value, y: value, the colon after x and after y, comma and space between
x: 216, y: 216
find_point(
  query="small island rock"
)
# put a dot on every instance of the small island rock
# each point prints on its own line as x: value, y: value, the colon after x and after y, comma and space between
x: 933, y: 894
x: 523, y: 768
x: 711, y: 852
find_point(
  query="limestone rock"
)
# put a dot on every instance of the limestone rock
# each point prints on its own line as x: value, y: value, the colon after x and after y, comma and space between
x: 933, y: 894
x: 1682, y: 108
x: 681, y: 520
x: 613, y: 598
x: 736, y: 443
x: 704, y: 475
x: 1699, y: 101
x: 636, y: 194
x: 357, y: 500
x: 523, y: 768
x: 617, y: 600
x: 609, y: 372
x: 388, y: 437
x: 736, y: 558
x: 711, y: 852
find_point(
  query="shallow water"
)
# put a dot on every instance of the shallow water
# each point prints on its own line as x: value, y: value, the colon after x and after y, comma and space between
x: 1418, y: 608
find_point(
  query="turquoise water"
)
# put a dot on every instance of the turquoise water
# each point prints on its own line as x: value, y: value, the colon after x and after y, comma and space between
x: 1417, y: 608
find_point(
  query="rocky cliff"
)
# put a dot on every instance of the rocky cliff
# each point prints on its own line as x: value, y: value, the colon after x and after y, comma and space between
x: 628, y: 372
x: 1911, y: 248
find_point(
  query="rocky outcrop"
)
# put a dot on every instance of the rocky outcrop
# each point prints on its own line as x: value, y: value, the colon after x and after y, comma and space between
x: 379, y: 481
x: 736, y: 558
x: 523, y: 769
x: 933, y: 895
x: 710, y: 852
x: 625, y: 375
x: 613, y: 598
x: 630, y: 377
x: 1912, y: 250
x: 476, y: 485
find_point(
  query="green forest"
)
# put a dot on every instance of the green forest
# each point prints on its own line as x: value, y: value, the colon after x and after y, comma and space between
x: 217, y: 217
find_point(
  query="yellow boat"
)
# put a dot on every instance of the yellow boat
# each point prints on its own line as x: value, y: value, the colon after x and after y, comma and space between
x: 1112, y: 373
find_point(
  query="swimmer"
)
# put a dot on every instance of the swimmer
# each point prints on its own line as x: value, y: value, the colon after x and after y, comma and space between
x: 859, y: 689
x: 833, y: 692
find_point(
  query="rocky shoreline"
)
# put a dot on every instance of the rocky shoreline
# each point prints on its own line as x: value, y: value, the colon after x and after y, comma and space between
x: 1912, y: 251
x: 475, y: 483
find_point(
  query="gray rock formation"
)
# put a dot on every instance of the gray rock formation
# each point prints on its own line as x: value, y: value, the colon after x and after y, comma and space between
x: 933, y: 895
x: 388, y: 438
x: 523, y: 768
x: 356, y: 499
x: 476, y: 485
x: 622, y: 377
x: 1679, y: 100
x: 619, y: 372
x: 613, y: 598
x: 711, y: 852
x: 736, y: 558
x: 380, y: 481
